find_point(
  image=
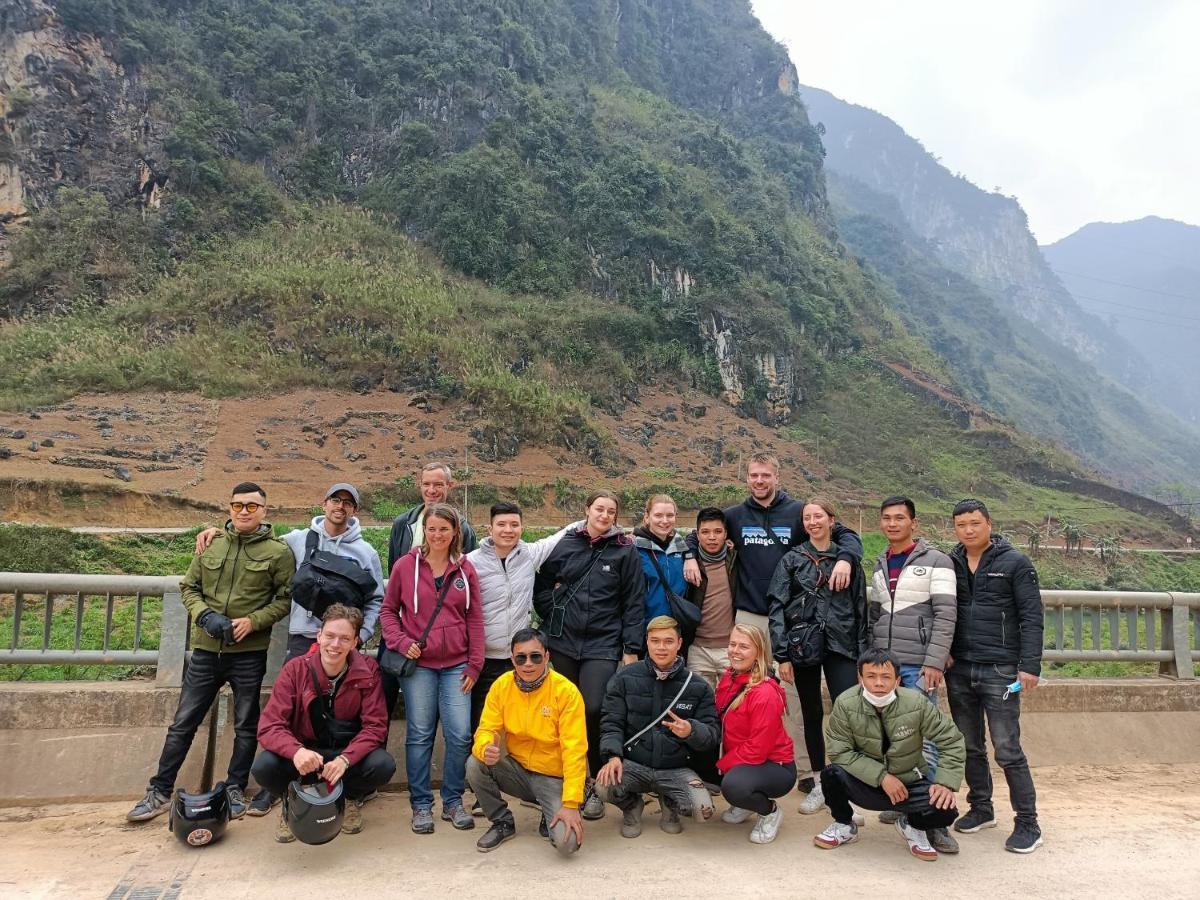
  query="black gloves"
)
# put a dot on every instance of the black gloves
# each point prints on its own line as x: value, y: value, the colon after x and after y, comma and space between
x: 216, y: 625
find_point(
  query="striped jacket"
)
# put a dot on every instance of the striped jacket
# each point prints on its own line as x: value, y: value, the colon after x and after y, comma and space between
x: 917, y: 624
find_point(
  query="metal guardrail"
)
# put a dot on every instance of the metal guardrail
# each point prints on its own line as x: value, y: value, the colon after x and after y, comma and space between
x: 1088, y: 626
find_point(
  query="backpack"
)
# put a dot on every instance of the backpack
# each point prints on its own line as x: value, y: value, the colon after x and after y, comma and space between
x: 325, y: 578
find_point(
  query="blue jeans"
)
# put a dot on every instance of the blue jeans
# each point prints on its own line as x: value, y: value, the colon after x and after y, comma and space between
x: 977, y: 693
x: 430, y: 695
x: 909, y: 676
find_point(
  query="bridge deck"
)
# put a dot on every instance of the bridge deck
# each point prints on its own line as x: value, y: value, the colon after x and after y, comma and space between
x: 1109, y: 832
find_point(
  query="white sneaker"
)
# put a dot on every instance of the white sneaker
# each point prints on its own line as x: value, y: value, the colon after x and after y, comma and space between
x: 814, y: 802
x: 767, y: 827
x: 918, y: 841
x: 735, y: 815
x: 836, y: 835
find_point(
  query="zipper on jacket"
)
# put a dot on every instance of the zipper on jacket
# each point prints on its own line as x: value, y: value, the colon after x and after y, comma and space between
x: 229, y: 594
x: 1003, y: 630
x: 921, y: 631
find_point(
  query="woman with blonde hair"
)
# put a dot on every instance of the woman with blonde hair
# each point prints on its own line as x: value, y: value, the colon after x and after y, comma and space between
x: 432, y: 615
x: 757, y: 761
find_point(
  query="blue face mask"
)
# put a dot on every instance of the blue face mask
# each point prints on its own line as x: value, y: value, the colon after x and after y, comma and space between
x: 880, y: 702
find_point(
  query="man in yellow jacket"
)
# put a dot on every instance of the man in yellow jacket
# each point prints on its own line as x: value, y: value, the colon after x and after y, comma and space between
x: 539, y: 716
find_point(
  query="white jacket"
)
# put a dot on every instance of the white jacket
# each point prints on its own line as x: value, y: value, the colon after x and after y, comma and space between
x: 506, y: 587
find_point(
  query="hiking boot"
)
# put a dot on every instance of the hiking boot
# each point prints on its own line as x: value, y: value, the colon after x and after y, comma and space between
x: 237, y: 802
x: 422, y: 821
x: 814, y: 802
x: 495, y: 836
x: 283, y: 831
x: 918, y: 841
x: 767, y: 827
x: 735, y: 815
x: 352, y: 818
x: 155, y: 803
x: 373, y: 794
x: 631, y: 819
x: 836, y: 835
x: 593, y: 806
x: 702, y: 803
x: 262, y: 803
x: 457, y: 816
x: 1024, y: 839
x: 890, y: 816
x: 942, y: 840
x: 975, y: 821
x: 668, y: 819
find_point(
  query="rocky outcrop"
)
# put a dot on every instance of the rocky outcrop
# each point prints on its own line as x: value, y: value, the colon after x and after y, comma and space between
x: 71, y: 115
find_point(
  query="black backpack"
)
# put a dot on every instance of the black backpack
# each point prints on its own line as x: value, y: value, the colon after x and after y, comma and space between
x: 325, y: 578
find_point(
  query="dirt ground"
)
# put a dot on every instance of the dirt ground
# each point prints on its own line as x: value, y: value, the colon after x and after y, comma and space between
x: 177, y: 452
x: 1109, y: 833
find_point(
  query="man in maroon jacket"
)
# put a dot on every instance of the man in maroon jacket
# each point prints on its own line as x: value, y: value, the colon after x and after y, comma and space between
x: 327, y: 717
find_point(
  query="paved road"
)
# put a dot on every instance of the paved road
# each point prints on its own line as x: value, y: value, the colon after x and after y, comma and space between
x: 1109, y: 833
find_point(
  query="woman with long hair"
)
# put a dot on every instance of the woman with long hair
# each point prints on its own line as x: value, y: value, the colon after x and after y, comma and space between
x: 589, y: 597
x: 756, y: 763
x: 815, y: 628
x: 433, y: 592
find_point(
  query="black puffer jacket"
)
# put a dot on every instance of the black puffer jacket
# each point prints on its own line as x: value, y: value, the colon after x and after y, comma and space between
x: 847, y: 630
x: 635, y: 697
x: 605, y: 616
x: 1000, y: 615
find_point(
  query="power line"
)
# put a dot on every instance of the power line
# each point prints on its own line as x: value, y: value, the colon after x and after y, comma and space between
x: 1193, y: 297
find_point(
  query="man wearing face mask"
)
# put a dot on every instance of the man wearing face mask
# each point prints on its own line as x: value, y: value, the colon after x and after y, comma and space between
x: 875, y: 744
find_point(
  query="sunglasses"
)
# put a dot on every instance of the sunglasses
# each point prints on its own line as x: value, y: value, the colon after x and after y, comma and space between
x: 238, y: 506
x: 522, y: 658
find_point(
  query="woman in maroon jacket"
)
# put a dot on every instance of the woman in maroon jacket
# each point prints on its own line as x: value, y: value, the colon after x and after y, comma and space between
x: 757, y: 763
x: 449, y: 660
x: 336, y: 677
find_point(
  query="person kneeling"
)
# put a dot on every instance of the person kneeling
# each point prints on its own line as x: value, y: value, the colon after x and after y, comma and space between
x: 540, y: 715
x: 657, y: 716
x: 875, y: 738
x: 327, y: 716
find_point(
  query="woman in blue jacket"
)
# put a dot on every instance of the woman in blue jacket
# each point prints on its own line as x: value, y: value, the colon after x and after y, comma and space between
x: 657, y: 541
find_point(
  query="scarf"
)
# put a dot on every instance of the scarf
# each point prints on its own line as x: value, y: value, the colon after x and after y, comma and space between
x: 664, y: 675
x: 714, y: 557
x: 880, y: 702
x: 528, y: 687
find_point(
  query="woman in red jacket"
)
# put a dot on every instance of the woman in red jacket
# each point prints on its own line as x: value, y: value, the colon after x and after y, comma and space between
x: 449, y: 660
x: 757, y: 763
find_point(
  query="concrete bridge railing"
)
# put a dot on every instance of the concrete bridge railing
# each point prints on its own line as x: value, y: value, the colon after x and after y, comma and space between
x: 109, y: 619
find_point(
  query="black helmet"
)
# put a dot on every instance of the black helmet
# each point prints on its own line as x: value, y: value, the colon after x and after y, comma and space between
x: 314, y: 811
x: 199, y: 819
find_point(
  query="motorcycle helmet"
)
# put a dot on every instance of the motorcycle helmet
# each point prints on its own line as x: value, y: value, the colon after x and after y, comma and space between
x: 314, y: 811
x: 199, y: 819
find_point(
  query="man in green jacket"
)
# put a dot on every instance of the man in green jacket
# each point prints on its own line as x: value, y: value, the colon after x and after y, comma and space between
x: 875, y: 743
x: 234, y: 592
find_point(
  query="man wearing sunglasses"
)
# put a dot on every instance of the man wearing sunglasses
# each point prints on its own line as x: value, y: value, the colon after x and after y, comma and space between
x: 538, y: 715
x: 234, y: 592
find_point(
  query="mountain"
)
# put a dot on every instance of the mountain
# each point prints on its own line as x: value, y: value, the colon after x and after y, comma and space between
x: 1143, y: 279
x: 970, y: 278
x: 529, y: 215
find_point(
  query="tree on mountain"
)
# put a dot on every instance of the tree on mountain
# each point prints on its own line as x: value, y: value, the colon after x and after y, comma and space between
x: 1072, y: 534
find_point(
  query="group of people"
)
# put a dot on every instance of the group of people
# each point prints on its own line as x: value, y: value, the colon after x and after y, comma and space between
x: 596, y: 667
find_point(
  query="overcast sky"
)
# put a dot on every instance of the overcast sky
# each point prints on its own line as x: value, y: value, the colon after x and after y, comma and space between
x: 1086, y: 110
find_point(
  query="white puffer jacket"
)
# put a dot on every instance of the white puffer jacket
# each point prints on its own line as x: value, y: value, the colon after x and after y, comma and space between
x: 506, y: 587
x: 918, y: 623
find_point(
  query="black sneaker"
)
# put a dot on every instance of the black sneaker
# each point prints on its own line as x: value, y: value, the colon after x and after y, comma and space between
x: 975, y: 821
x: 543, y: 830
x: 941, y: 840
x: 155, y: 803
x: 1024, y: 839
x: 495, y: 836
x: 237, y: 802
x: 262, y: 803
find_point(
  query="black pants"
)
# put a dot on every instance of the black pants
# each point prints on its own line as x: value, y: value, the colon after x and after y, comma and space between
x: 755, y: 787
x: 591, y: 676
x: 372, y: 771
x: 206, y: 674
x: 492, y: 669
x: 841, y: 789
x: 841, y: 674
x: 298, y: 645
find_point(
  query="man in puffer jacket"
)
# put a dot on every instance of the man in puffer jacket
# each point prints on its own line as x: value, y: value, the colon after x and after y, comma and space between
x: 647, y: 751
x: 875, y: 739
x: 913, y: 608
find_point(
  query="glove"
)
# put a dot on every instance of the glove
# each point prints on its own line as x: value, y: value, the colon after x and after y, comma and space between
x: 216, y: 625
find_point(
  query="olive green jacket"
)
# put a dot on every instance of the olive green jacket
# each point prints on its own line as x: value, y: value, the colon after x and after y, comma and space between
x: 854, y: 739
x: 240, y: 576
